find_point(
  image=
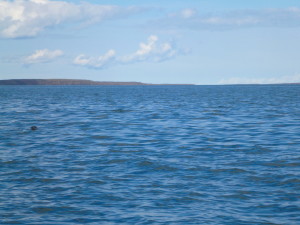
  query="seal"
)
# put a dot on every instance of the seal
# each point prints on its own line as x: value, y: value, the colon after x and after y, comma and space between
x: 33, y: 128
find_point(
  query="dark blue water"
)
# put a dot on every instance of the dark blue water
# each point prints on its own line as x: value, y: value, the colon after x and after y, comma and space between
x: 150, y: 155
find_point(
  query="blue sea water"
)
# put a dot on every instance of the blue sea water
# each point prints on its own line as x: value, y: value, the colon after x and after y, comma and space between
x: 150, y: 155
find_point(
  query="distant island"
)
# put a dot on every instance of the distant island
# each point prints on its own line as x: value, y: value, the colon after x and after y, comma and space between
x: 70, y: 82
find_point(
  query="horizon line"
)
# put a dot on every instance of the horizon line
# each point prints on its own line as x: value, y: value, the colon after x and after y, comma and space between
x: 57, y: 81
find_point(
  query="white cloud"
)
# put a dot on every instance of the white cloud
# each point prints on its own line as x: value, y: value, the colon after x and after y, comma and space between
x: 190, y: 19
x: 276, y: 80
x: 184, y: 13
x: 96, y: 62
x: 26, y: 18
x: 43, y: 55
x: 151, y: 51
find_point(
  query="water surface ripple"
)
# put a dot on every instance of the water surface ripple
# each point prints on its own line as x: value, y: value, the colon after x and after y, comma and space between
x: 150, y: 155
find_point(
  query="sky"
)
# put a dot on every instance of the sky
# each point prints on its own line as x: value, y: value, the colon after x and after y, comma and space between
x: 151, y: 41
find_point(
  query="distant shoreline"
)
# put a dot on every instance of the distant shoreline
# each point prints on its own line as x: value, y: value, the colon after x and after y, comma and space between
x: 58, y: 82
x: 70, y: 82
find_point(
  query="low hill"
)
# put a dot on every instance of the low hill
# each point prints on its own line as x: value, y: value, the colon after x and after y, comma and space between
x: 62, y: 82
x: 69, y: 82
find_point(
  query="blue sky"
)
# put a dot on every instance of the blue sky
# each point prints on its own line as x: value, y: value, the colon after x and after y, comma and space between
x: 199, y: 42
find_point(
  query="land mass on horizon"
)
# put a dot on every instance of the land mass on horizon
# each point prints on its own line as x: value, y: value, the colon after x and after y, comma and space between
x: 70, y: 82
x: 90, y: 82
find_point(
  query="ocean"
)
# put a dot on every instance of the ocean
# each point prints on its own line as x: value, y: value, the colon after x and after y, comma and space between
x: 150, y: 155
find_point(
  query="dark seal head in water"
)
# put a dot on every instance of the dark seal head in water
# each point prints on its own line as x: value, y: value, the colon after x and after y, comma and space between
x: 33, y: 128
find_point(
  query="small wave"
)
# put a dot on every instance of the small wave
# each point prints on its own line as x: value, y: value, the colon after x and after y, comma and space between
x: 101, y: 137
x: 121, y: 110
x: 145, y: 163
x: 42, y: 209
x: 14, y: 162
x: 236, y: 196
x: 165, y: 168
x: 230, y: 170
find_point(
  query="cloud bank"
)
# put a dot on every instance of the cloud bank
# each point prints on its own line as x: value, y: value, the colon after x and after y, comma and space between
x: 27, y: 18
x: 278, y: 80
x: 42, y: 56
x: 151, y: 51
x: 191, y: 19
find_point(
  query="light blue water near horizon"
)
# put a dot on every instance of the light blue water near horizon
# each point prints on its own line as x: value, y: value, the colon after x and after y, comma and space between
x: 150, y: 154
